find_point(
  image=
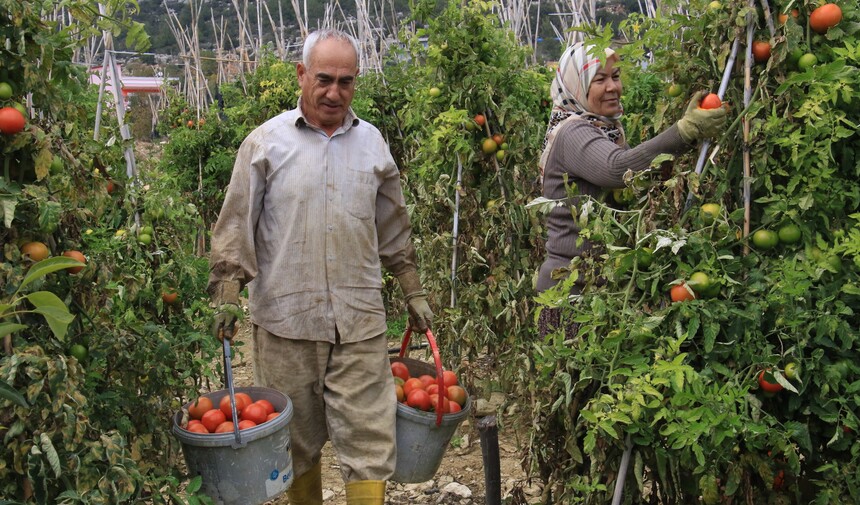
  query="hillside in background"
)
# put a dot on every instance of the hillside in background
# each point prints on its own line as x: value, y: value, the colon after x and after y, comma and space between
x: 217, y: 13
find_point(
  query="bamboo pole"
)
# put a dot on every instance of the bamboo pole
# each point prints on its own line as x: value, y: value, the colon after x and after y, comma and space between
x: 746, y: 130
x: 455, y: 235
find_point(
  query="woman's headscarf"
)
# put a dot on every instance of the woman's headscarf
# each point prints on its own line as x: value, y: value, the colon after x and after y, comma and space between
x: 569, y: 89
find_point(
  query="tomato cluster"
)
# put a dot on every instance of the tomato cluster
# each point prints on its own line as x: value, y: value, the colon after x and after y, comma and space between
x: 206, y: 418
x: 422, y: 392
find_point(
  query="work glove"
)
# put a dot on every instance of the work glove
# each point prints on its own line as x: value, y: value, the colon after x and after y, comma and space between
x: 420, y: 315
x: 699, y: 123
x: 225, y: 298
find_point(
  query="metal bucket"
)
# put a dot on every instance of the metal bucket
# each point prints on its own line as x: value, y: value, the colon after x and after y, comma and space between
x: 251, y: 472
x: 421, y: 444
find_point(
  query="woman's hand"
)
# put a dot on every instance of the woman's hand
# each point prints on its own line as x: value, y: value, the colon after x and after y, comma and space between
x: 699, y: 123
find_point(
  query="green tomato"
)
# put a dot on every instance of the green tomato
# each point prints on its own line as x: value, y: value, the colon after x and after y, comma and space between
x: 500, y: 155
x: 79, y: 352
x: 435, y: 92
x: 833, y: 263
x: 700, y: 282
x: 789, y: 234
x: 5, y: 91
x: 645, y: 256
x: 792, y: 371
x: 56, y: 164
x: 710, y: 212
x: 146, y: 230
x: 144, y: 239
x: 765, y: 239
x: 674, y: 90
x: 807, y: 61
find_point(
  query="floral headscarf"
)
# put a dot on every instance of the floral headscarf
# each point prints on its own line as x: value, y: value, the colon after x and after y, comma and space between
x: 569, y: 90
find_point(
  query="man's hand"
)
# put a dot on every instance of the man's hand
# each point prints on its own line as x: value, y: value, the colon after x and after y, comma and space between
x: 420, y: 315
x: 699, y: 123
x: 225, y: 297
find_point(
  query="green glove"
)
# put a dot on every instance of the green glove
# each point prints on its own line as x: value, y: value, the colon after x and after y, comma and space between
x: 225, y: 297
x: 700, y: 123
x: 420, y: 315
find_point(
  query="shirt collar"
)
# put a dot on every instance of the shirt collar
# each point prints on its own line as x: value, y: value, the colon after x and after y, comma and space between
x: 351, y: 120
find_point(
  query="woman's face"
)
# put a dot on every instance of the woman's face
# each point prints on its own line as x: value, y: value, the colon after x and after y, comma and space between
x: 604, y: 93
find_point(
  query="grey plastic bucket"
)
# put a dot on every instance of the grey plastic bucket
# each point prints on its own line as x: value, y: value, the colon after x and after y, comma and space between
x: 252, y: 473
x: 420, y: 443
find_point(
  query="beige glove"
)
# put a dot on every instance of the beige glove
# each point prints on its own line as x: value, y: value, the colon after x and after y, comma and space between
x: 420, y: 315
x: 700, y: 123
x: 225, y: 297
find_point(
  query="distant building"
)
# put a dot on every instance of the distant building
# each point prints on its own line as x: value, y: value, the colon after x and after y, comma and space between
x: 131, y: 84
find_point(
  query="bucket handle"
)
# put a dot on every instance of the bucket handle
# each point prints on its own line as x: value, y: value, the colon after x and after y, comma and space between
x: 440, y: 380
x: 228, y: 378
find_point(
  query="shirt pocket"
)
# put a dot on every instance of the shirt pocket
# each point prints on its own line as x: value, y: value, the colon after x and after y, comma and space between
x: 360, y: 194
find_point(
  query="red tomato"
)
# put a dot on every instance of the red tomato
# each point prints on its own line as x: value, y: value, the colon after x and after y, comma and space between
x: 272, y: 416
x: 761, y: 51
x: 822, y: 19
x: 225, y: 427
x: 681, y: 293
x: 11, y: 121
x: 246, y: 397
x: 766, y: 385
x: 480, y: 119
x: 433, y: 389
x: 449, y: 377
x: 241, y: 403
x: 267, y: 405
x: 411, y: 385
x: 454, y: 407
x: 418, y: 399
x: 427, y: 380
x: 398, y: 369
x: 200, y: 407
x: 712, y: 101
x: 244, y: 424
x: 457, y: 395
x: 197, y: 428
x: 75, y: 255
x: 212, y: 419
x: 434, y: 400
x: 255, y: 412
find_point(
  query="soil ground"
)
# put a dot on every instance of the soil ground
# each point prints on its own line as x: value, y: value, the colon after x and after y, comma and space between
x: 460, y: 478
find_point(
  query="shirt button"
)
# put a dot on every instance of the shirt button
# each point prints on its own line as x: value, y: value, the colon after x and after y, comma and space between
x: 330, y: 227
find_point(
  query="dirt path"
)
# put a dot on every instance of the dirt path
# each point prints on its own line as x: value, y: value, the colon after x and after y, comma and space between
x: 460, y: 478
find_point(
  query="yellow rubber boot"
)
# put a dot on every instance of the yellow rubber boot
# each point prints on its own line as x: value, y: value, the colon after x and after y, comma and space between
x: 307, y: 488
x: 365, y: 492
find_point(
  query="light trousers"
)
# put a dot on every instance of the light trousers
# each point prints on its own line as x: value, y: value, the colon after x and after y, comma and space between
x: 340, y: 392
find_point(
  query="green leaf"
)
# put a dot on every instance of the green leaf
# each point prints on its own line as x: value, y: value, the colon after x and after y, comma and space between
x: 195, y: 484
x: 9, y: 393
x: 8, y: 328
x: 54, y: 310
x: 48, y: 266
x: 51, y: 454
x: 7, y: 208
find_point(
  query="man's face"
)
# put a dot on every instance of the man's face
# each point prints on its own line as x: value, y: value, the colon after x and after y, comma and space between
x: 328, y: 83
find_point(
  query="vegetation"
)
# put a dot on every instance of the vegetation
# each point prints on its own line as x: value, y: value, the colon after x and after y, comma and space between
x: 97, y: 362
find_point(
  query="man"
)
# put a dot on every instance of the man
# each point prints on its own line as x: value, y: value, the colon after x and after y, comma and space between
x: 313, y: 210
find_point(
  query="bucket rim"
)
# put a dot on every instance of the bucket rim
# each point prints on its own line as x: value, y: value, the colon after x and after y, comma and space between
x: 226, y: 439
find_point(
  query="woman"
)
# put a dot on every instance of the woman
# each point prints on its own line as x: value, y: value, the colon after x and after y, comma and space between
x: 585, y: 146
